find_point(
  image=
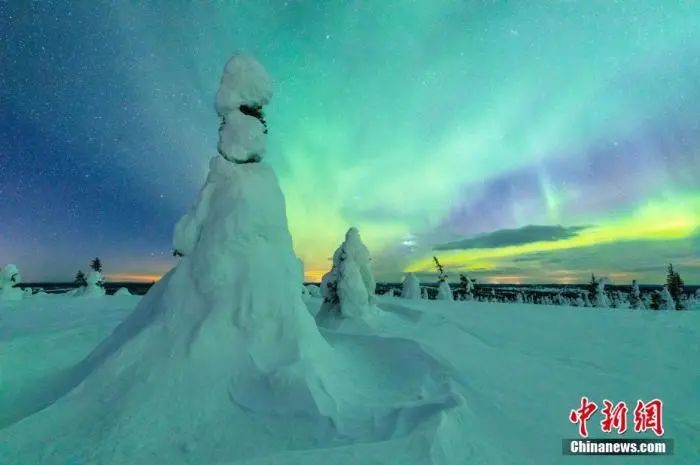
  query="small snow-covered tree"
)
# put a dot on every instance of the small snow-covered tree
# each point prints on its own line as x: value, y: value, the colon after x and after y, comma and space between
x: 94, y: 286
x: 410, y: 288
x: 636, y: 301
x: 444, y: 292
x: 465, y: 288
x: 424, y: 294
x: 600, y: 298
x: 348, y: 288
x: 667, y: 302
x: 9, y: 279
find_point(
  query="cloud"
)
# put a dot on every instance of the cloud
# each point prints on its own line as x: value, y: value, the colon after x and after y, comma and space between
x: 510, y: 237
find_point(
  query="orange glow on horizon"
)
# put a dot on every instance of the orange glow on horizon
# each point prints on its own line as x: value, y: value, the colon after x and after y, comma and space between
x: 313, y: 276
x: 134, y: 277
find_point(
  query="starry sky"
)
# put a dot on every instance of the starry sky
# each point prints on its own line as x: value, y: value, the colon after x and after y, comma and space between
x: 520, y: 142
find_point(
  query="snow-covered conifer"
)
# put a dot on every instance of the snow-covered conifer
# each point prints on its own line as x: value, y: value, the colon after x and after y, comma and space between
x: 410, y: 288
x: 444, y: 292
x: 9, y: 279
x: 348, y: 288
x: 600, y: 298
x: 667, y: 302
x: 635, y: 298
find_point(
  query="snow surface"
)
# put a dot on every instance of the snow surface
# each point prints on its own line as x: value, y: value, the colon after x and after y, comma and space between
x: 519, y: 369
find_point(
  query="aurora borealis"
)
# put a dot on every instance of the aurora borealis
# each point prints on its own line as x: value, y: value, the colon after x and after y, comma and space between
x: 444, y: 128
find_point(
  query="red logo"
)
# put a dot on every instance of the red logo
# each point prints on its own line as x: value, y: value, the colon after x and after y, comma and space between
x: 647, y: 416
x: 582, y: 415
x: 615, y: 417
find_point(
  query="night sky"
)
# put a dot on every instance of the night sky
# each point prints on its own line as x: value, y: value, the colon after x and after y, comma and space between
x: 517, y: 141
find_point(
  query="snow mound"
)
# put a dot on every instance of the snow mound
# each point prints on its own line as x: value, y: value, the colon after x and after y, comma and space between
x: 121, y: 292
x: 313, y: 290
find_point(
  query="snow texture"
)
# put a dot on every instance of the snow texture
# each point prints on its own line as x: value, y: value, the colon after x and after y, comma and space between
x: 513, y: 415
x: 411, y: 287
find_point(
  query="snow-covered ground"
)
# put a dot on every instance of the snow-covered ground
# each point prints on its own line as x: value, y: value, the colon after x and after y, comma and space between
x: 519, y: 369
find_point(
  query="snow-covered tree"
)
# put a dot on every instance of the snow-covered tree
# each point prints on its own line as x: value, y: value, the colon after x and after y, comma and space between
x: 559, y: 299
x: 465, y: 289
x: 94, y: 285
x: 424, y: 294
x: 245, y: 89
x: 410, y: 288
x: 348, y: 288
x: 667, y: 302
x: 635, y: 298
x: 600, y: 298
x: 9, y: 279
x: 444, y: 292
x: 674, y: 283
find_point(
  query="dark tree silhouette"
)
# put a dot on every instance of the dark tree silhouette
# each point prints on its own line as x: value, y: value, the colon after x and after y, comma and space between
x: 442, y: 276
x: 675, y: 286
x: 80, y: 280
x: 96, y: 264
